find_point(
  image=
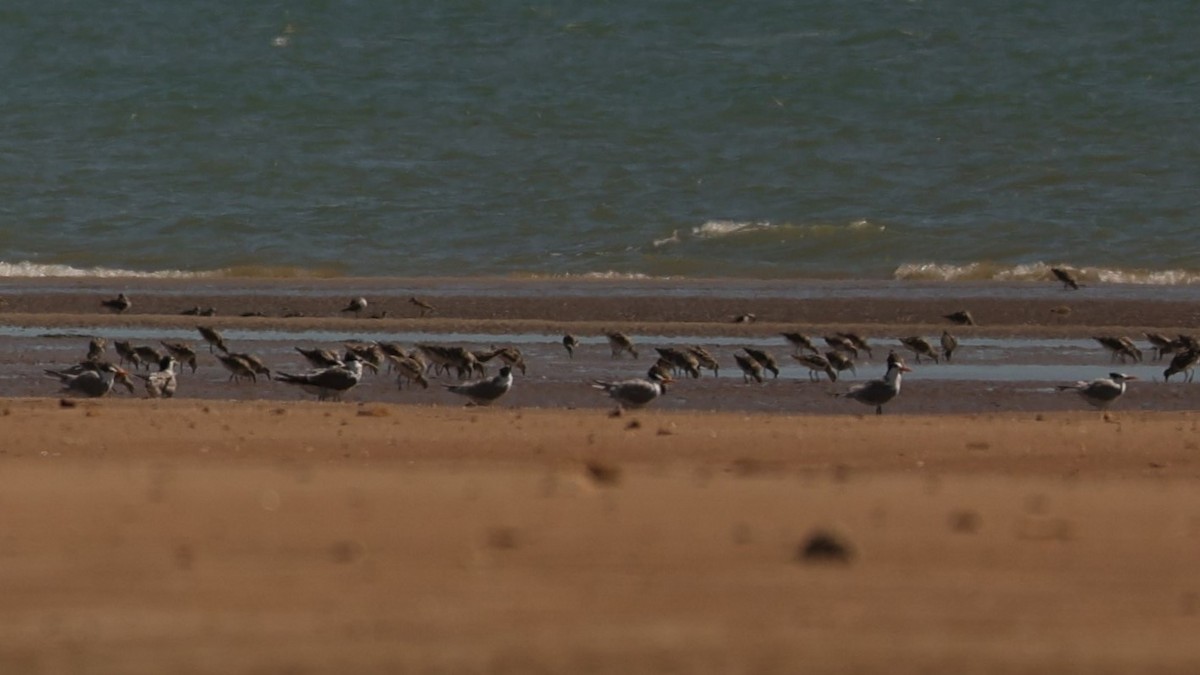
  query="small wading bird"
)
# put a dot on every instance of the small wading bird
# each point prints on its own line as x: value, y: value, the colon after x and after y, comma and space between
x: 879, y: 392
x: 800, y: 341
x: 328, y: 383
x: 161, y: 384
x: 620, y: 343
x: 751, y: 369
x: 93, y: 380
x: 213, y: 337
x: 764, y: 359
x: 635, y: 393
x: 356, y: 305
x: 920, y: 347
x: 961, y: 317
x: 949, y: 344
x: 1068, y: 280
x: 569, y: 342
x: 118, y: 304
x: 485, y: 392
x: 1100, y: 392
x: 423, y: 307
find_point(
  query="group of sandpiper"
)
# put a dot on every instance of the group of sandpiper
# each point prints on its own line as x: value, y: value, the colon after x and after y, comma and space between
x: 331, y: 374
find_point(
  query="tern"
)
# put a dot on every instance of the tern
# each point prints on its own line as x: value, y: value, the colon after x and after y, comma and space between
x: 1100, y: 392
x: 162, y: 384
x: 879, y: 392
x: 635, y: 393
x: 118, y: 304
x: 92, y: 383
x: 328, y: 383
x: 485, y: 392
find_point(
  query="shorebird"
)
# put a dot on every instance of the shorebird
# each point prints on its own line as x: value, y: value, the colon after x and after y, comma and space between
x: 634, y: 393
x: 356, y: 305
x: 147, y: 354
x: 256, y: 364
x: 1119, y: 347
x: 161, y: 384
x: 680, y: 360
x: 238, y: 367
x: 442, y: 359
x: 485, y: 392
x: 745, y: 318
x: 96, y: 349
x: 118, y: 304
x: 126, y: 353
x: 921, y: 347
x: 1162, y: 344
x: 961, y: 317
x: 423, y: 307
x: 1183, y: 362
x: 800, y: 341
x: 949, y: 344
x: 1101, y: 392
x: 620, y: 343
x: 510, y: 355
x: 879, y: 392
x: 840, y: 361
x: 569, y: 342
x: 705, y: 359
x: 817, y: 364
x: 764, y: 359
x: 751, y: 368
x: 408, y: 369
x: 320, y: 358
x: 197, y: 311
x: 370, y: 353
x: 93, y: 382
x: 328, y: 383
x: 858, y: 341
x: 182, y: 351
x: 213, y: 337
x: 841, y: 343
x: 1069, y: 281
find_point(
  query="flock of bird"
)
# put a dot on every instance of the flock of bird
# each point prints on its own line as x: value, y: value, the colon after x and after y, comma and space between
x: 331, y: 374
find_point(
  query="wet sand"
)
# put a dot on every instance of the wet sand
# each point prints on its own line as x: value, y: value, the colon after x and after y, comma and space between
x: 244, y: 528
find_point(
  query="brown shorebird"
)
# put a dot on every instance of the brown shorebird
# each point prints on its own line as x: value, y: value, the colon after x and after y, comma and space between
x: 680, y: 360
x: 147, y: 354
x: 96, y: 349
x: 1162, y: 344
x: 841, y: 343
x: 962, y: 317
x: 921, y: 347
x: 620, y: 343
x: 817, y: 364
x: 764, y: 359
x: 485, y: 392
x: 745, y: 318
x: 197, y: 311
x: 1183, y: 362
x: 182, y: 351
x: 840, y: 361
x: 1119, y: 347
x: 949, y: 344
x: 320, y: 358
x: 1068, y: 280
x: 118, y: 304
x: 213, y: 337
x: 859, y: 342
x: 423, y: 307
x: 569, y: 343
x: 408, y: 369
x: 751, y: 368
x: 634, y: 393
x: 705, y: 359
x: 1102, y: 392
x: 800, y: 341
x: 879, y: 392
x: 126, y: 353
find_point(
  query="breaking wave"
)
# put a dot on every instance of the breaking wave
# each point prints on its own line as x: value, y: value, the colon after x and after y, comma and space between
x: 722, y: 229
x: 1040, y: 271
x: 40, y: 270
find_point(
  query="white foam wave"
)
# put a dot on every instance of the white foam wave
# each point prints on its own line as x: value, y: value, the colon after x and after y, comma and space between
x: 719, y: 229
x: 30, y: 269
x: 1040, y: 271
x: 715, y: 229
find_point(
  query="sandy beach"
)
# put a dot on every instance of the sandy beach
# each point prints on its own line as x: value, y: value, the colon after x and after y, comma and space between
x: 731, y: 527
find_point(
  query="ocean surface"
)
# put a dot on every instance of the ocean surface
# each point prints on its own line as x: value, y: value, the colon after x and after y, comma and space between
x: 780, y: 139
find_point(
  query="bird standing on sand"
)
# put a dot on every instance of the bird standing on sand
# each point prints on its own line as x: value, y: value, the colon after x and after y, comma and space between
x: 1119, y: 347
x: 751, y: 368
x: 635, y: 393
x: 1069, y: 281
x: 92, y: 382
x: 424, y: 307
x: 962, y: 317
x: 766, y: 360
x: 949, y: 344
x: 920, y: 347
x: 620, y: 343
x: 745, y: 318
x: 213, y: 337
x: 162, y: 384
x: 1101, y: 392
x: 485, y: 392
x: 569, y: 342
x: 328, y: 383
x: 817, y: 364
x: 356, y: 305
x: 118, y: 304
x: 880, y: 392
x: 182, y: 351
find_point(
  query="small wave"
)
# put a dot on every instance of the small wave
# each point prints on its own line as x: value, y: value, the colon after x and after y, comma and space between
x: 1040, y: 271
x: 715, y: 229
x: 718, y: 229
x: 602, y: 276
x: 30, y: 269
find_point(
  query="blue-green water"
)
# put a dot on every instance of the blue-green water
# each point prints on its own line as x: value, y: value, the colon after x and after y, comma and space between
x: 778, y: 139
